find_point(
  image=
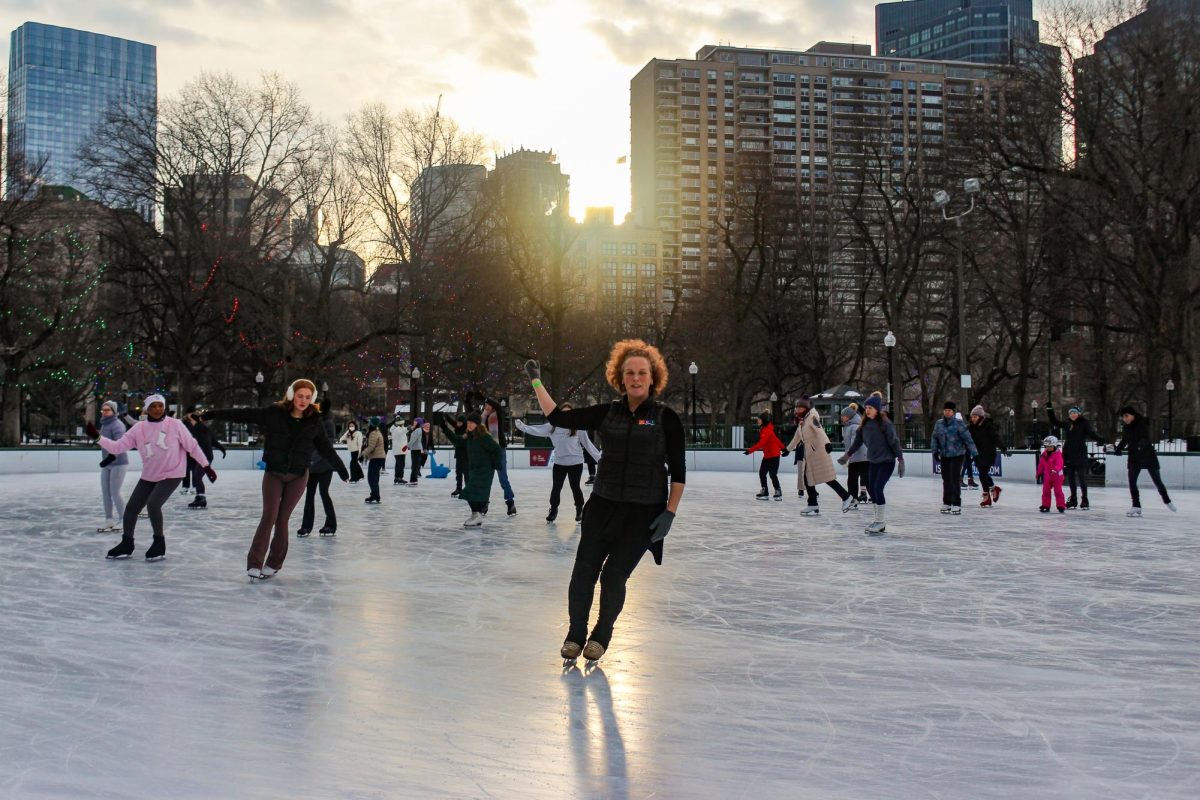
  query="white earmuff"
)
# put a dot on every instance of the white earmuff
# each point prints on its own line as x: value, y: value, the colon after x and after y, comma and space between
x: 291, y: 391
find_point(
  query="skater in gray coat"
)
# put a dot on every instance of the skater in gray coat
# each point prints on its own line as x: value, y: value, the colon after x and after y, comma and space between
x: 856, y: 469
x: 112, y: 469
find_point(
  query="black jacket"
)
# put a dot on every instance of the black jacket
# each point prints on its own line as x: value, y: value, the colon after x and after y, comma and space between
x: 289, y: 442
x: 204, y: 437
x: 460, y: 447
x: 987, y: 440
x: 1075, y: 437
x: 1136, y: 439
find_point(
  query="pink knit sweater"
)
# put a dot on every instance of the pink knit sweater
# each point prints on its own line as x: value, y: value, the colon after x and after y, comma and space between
x: 164, y: 447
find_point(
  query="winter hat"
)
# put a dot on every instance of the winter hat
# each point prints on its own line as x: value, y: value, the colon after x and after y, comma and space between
x: 950, y: 405
x: 152, y: 399
x: 764, y: 418
x: 475, y: 417
x: 978, y: 411
x: 1127, y: 410
x: 875, y: 402
x: 849, y: 411
x: 419, y: 421
x: 1074, y: 410
x: 804, y: 402
x: 111, y: 404
x: 1050, y: 441
x: 375, y: 422
x: 460, y: 419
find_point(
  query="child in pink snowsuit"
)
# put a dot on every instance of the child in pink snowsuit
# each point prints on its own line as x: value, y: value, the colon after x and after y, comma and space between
x: 1050, y: 470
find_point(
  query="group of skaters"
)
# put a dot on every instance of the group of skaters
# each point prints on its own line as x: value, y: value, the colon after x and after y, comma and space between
x: 873, y: 453
x: 638, y: 480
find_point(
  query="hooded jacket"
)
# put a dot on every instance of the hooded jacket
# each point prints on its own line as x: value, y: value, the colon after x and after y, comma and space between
x: 768, y: 443
x: 1136, y: 439
x: 818, y: 463
x: 849, y: 432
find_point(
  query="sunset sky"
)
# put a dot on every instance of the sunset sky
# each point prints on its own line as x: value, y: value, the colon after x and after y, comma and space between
x: 531, y: 73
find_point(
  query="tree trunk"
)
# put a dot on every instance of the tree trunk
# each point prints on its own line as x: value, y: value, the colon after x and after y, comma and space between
x: 10, y: 436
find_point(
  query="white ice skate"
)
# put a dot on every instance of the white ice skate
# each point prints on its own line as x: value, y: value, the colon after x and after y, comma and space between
x: 811, y: 511
x: 473, y: 521
x: 1172, y: 507
x: 108, y: 525
x: 269, y: 572
x: 254, y: 572
x: 955, y: 509
x: 1134, y: 512
x: 879, y: 525
x: 849, y: 504
x: 945, y: 509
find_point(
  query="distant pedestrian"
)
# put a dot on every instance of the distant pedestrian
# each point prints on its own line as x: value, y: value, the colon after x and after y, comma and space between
x: 112, y: 469
x: 484, y: 457
x: 209, y: 443
x: 569, y: 446
x: 353, y: 439
x: 320, y: 475
x: 399, y: 433
x: 459, y: 429
x: 493, y: 420
x: 375, y: 455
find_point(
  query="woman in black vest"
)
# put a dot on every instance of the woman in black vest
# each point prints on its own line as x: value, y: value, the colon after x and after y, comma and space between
x: 632, y: 505
x: 292, y: 431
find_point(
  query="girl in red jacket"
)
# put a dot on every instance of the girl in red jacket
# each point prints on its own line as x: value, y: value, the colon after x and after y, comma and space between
x: 1050, y: 470
x: 771, y: 447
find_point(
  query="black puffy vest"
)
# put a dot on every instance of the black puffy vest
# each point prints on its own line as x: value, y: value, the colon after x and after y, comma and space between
x: 634, y: 466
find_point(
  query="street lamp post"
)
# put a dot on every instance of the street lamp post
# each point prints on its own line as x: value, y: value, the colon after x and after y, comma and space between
x: 941, y: 199
x: 416, y: 391
x: 258, y: 386
x: 1170, y: 408
x: 1033, y: 409
x: 693, y: 370
x: 774, y: 401
x: 889, y: 342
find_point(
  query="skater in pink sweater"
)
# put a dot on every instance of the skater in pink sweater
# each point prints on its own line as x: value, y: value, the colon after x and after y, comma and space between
x: 1050, y: 470
x: 164, y: 444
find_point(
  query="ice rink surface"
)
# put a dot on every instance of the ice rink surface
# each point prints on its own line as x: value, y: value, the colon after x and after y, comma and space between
x: 1001, y: 654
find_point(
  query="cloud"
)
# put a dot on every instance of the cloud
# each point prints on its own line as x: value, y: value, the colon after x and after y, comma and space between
x: 500, y: 35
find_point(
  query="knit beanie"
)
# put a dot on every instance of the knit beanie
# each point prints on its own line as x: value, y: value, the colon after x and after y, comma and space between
x: 111, y: 404
x: 849, y: 411
x: 804, y: 402
x: 474, y: 416
x: 875, y: 402
x: 978, y: 411
x: 1127, y: 410
x: 950, y: 405
x: 1074, y: 410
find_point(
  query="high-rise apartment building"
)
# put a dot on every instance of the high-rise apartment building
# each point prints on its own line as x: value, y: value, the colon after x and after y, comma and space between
x: 61, y: 84
x: 980, y: 31
x: 813, y: 121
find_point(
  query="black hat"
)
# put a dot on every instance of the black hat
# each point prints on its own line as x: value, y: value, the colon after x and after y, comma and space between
x: 460, y: 419
x: 950, y: 405
x: 764, y: 417
x: 474, y: 417
x: 1127, y: 410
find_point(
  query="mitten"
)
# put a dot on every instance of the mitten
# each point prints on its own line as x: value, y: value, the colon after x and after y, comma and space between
x: 211, y: 473
x: 828, y: 447
x: 900, y: 468
x: 91, y: 431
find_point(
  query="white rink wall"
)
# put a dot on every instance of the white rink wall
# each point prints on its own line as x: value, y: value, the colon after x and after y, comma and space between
x: 1179, y: 471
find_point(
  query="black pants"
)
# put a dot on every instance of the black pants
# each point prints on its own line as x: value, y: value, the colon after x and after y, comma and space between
x: 572, y: 474
x: 478, y: 506
x: 968, y: 469
x: 951, y: 480
x: 374, y: 467
x: 1134, y: 472
x: 857, y: 477
x: 317, y: 481
x: 1076, y: 471
x: 460, y: 472
x: 197, y: 474
x: 984, y: 465
x: 591, y: 463
x: 400, y: 459
x: 356, y: 473
x: 149, y: 495
x: 418, y: 461
x: 834, y: 484
x: 769, y: 466
x: 612, y: 541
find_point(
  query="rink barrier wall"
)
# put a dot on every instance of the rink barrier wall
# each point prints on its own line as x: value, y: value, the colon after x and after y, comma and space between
x: 1179, y: 470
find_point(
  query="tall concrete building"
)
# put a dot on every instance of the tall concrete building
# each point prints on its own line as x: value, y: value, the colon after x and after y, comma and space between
x: 980, y: 31
x: 808, y: 119
x: 534, y: 181
x: 61, y: 84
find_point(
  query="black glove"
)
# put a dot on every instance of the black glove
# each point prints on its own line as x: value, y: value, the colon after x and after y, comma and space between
x: 745, y: 452
x: 661, y: 526
x: 108, y: 459
x: 828, y: 447
x: 90, y: 430
x: 900, y: 467
x: 223, y: 453
x: 784, y: 452
x: 533, y: 369
x: 342, y: 472
x: 211, y: 473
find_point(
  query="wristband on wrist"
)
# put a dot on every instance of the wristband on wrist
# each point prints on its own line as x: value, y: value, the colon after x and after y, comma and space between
x: 537, y: 382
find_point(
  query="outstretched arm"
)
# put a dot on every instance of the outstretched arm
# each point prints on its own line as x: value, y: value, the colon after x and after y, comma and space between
x: 536, y: 430
x: 534, y: 370
x: 588, y: 445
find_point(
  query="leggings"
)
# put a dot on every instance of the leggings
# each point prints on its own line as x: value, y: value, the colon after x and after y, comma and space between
x: 111, y: 478
x: 319, y: 480
x: 460, y: 472
x: 833, y: 484
x: 612, y: 541
x: 418, y: 461
x: 1134, y: 472
x: 374, y: 467
x: 197, y: 474
x: 968, y: 469
x: 400, y: 459
x: 984, y: 465
x: 877, y: 478
x: 769, y: 466
x: 280, y: 494
x: 1077, y: 471
x: 572, y: 473
x: 149, y: 495
x: 856, y: 476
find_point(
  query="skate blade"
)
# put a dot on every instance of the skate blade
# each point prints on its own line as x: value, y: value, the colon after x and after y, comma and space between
x: 118, y: 558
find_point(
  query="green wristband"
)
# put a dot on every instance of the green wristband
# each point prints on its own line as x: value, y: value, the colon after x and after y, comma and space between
x: 537, y: 383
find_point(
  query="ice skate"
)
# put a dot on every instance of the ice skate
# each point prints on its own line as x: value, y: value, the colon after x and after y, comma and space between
x: 106, y: 526
x: 591, y: 479
x: 157, y: 550
x: 1062, y: 509
x: 849, y: 504
x: 996, y: 494
x: 512, y: 507
x: 328, y: 531
x: 199, y: 503
x: 124, y: 548
x: 1083, y: 506
x: 762, y: 495
x: 945, y: 509
x: 1072, y: 503
x: 473, y: 521
x: 184, y: 490
x: 579, y: 514
x: 456, y: 493
x: 303, y: 533
x: 269, y: 572
x: 1044, y: 509
x: 570, y: 653
x: 811, y: 511
x: 254, y: 572
x: 971, y: 484
x: 778, y: 496
x: 372, y: 500
x: 1171, y: 506
x: 878, y: 525
x: 986, y: 502
x: 1134, y: 512
x: 553, y: 515
x: 863, y: 498
x: 593, y: 651
x: 956, y: 510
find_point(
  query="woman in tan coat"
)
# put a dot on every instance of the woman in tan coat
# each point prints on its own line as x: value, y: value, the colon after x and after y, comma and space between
x: 816, y: 465
x: 374, y: 452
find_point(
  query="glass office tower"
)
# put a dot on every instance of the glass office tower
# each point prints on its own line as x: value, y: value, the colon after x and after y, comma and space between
x: 61, y: 83
x: 982, y: 31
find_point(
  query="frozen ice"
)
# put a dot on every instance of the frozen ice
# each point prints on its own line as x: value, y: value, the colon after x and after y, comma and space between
x: 1000, y: 654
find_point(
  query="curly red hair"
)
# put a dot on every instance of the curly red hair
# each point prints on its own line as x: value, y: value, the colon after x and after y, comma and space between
x: 634, y: 348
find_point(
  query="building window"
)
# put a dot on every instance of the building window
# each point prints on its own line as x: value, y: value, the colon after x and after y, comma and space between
x: 609, y: 269
x: 650, y: 249
x: 649, y: 270
x: 630, y: 269
x: 608, y: 248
